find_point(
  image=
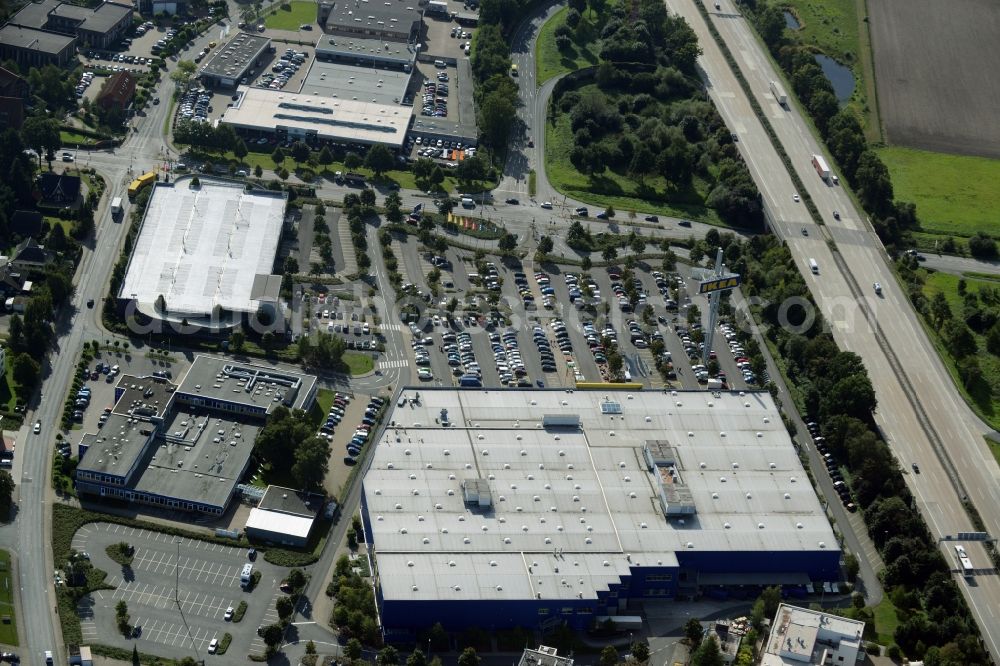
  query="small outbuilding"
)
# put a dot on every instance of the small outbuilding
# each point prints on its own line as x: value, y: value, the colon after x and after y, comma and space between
x: 284, y: 516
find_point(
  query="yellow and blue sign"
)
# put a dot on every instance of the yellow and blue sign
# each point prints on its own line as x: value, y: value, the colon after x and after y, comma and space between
x: 720, y: 284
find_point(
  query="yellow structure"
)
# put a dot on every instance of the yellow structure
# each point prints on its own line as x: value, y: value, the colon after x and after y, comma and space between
x: 141, y: 182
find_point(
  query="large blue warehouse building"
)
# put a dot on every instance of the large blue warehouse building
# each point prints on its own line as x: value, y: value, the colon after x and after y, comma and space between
x: 497, y: 508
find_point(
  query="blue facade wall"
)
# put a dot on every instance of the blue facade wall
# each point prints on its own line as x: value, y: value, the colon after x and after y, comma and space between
x: 818, y: 565
x: 400, y: 616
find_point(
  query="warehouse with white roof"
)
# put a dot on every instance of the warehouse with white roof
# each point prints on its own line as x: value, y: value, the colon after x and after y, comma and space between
x: 205, y: 254
x: 502, y: 508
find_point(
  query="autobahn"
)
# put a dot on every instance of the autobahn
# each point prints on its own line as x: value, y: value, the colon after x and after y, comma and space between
x: 920, y: 412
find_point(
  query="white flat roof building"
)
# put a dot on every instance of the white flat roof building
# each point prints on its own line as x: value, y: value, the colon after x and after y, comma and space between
x: 204, y: 248
x: 802, y: 636
x: 335, y: 118
x: 560, y: 496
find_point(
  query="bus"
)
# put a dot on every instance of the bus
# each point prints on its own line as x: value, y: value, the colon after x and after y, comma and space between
x: 141, y: 182
x: 964, y: 561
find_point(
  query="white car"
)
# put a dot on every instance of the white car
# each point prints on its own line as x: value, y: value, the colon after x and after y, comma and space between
x: 38, y: 427
x: 547, y: 204
x: 795, y: 198
x: 229, y: 614
x: 213, y: 646
x: 424, y: 374
x: 878, y: 288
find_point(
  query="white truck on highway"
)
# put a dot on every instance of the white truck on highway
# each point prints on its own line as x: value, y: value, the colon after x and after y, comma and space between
x: 821, y: 167
x: 779, y: 93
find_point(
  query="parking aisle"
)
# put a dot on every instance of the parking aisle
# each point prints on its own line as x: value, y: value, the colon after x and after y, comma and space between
x: 270, y: 617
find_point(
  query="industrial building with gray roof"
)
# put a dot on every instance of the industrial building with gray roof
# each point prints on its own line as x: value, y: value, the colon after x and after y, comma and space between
x: 500, y: 508
x: 30, y: 47
x: 186, y: 446
x: 395, y: 20
x: 230, y: 63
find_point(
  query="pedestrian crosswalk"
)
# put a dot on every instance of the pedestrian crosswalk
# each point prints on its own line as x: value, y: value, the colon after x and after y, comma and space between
x: 394, y: 364
x: 391, y: 327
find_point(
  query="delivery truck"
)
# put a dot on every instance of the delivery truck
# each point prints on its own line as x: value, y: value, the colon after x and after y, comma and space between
x: 821, y: 167
x: 116, y: 206
x: 779, y: 93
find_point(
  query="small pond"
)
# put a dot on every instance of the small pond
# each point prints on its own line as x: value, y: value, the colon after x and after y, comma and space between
x: 791, y: 22
x: 841, y: 77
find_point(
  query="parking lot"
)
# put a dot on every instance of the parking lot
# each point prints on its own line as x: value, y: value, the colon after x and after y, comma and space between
x: 102, y: 386
x: 561, y: 321
x: 203, y: 578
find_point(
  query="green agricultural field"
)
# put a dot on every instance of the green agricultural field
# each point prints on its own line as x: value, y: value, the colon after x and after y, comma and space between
x: 955, y: 195
x: 984, y: 397
x: 301, y: 12
x: 550, y: 62
x: 8, y: 629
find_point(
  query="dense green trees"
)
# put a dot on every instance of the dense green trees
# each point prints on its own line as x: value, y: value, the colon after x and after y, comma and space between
x: 656, y: 123
x: 289, y: 444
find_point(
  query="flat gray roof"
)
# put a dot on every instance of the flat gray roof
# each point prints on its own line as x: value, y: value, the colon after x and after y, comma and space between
x: 388, y: 15
x: 443, y: 127
x: 246, y: 383
x: 236, y: 56
x: 364, y: 84
x: 143, y: 396
x: 585, y: 488
x: 37, y: 40
x: 35, y: 14
x: 100, y: 19
x: 289, y: 501
x: 365, y: 49
x: 200, y: 457
x: 115, y: 448
x: 97, y: 19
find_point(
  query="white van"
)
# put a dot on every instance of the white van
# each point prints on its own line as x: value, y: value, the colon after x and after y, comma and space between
x: 245, y: 574
x: 813, y: 266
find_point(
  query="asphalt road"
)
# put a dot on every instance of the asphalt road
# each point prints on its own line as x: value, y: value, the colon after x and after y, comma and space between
x: 920, y: 412
x: 28, y: 535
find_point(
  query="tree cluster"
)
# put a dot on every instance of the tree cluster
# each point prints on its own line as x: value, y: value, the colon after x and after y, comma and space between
x: 354, y: 612
x: 964, y: 328
x: 207, y: 137
x: 289, y: 443
x: 651, y: 123
x: 495, y: 93
x: 838, y: 395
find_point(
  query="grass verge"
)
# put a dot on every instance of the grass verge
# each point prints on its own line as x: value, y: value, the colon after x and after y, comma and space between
x: 981, y: 396
x: 8, y: 621
x: 227, y: 638
x: 240, y: 611
x: 886, y: 621
x: 550, y: 61
x: 532, y: 183
x: 297, y: 14
x: 956, y: 195
x: 358, y: 363
x: 123, y: 655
